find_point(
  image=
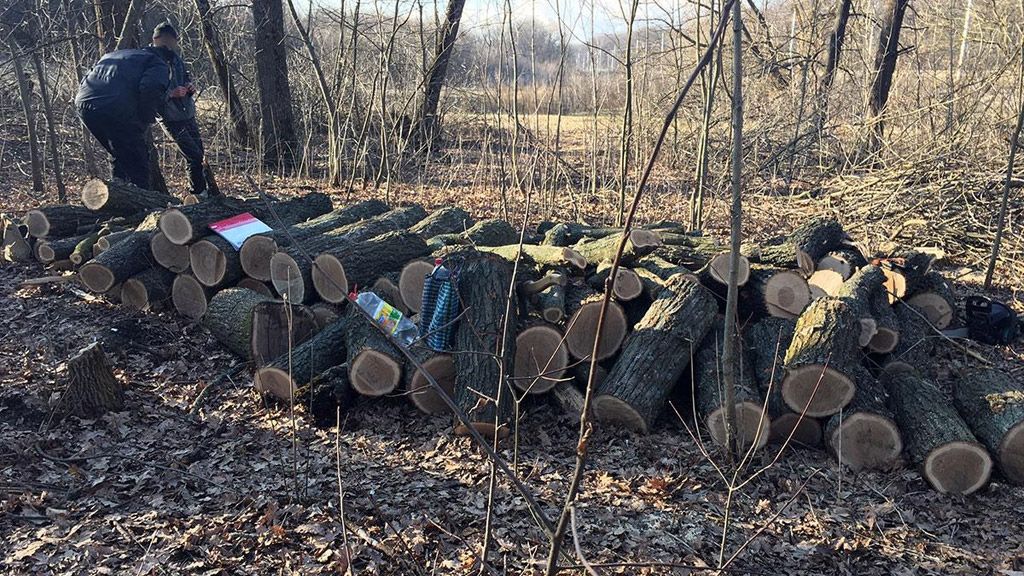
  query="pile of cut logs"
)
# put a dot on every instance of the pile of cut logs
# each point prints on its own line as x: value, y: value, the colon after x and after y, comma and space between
x: 832, y: 345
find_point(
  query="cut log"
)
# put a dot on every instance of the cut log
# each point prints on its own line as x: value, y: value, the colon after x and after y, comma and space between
x: 374, y: 363
x: 844, y: 261
x: 485, y: 343
x: 325, y: 313
x: 569, y: 233
x: 774, y: 292
x: 122, y: 261
x: 863, y: 435
x: 256, y: 286
x: 493, y: 232
x: 358, y: 264
x: 569, y: 398
x: 257, y: 250
x: 541, y: 257
x: 229, y: 318
x: 933, y: 297
x: 119, y: 198
x: 288, y: 372
x: 541, y: 359
x: 449, y: 220
x: 581, y: 373
x: 551, y: 278
x: 15, y: 246
x: 109, y: 240
x: 826, y: 342
x: 693, y: 252
x: 410, y: 282
x: 916, y: 344
x: 190, y: 298
x: 767, y: 341
x: 752, y: 422
x: 186, y: 224
x: 639, y: 244
x: 992, y: 404
x: 887, y: 326
x: 584, y: 305
x: 387, y: 288
x: 278, y: 327
x: 903, y: 273
x: 661, y: 267
x: 291, y: 271
x: 936, y: 438
x: 49, y: 250
x: 715, y: 274
x: 149, y: 290
x: 655, y: 355
x: 440, y: 367
x: 628, y: 285
x: 861, y: 292
x: 214, y: 262
x: 551, y: 303
x: 330, y: 394
x: 60, y: 221
x: 83, y: 250
x: 825, y: 283
x: 810, y: 242
x: 92, y: 389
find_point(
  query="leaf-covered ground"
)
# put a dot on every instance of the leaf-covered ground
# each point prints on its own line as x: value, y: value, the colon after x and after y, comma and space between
x: 247, y: 488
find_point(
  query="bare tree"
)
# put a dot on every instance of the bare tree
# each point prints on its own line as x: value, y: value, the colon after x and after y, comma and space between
x: 277, y: 124
x: 214, y: 50
x: 25, y: 91
x: 426, y: 123
x: 885, y: 67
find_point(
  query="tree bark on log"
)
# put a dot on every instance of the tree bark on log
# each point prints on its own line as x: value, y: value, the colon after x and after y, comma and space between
x: 50, y: 250
x: 331, y: 393
x: 640, y: 243
x: 386, y: 287
x: 767, y: 341
x: 256, y: 251
x: 450, y: 220
x: 83, y: 250
x: 214, y: 262
x: 775, y: 292
x: 374, y: 363
x: 802, y: 249
x: 935, y: 437
x: 117, y: 198
x: 826, y: 342
x: 149, y: 290
x: 540, y: 257
x: 493, y: 232
x: 291, y: 272
x: 843, y: 261
x: 484, y: 343
x: 108, y: 241
x: 541, y: 359
x: 992, y: 404
x: 92, y: 389
x: 933, y: 296
x: 916, y: 344
x: 190, y: 298
x: 864, y: 435
x: 655, y: 355
x: 256, y: 286
x: 277, y: 327
x: 441, y: 367
x: 584, y: 307
x: 289, y: 372
x: 336, y: 270
x: 185, y: 224
x: 569, y: 398
x: 122, y: 261
x: 60, y: 221
x: 229, y: 318
x: 752, y: 422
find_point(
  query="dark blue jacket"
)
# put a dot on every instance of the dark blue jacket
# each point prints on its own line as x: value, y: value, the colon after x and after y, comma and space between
x: 130, y: 85
x: 176, y: 109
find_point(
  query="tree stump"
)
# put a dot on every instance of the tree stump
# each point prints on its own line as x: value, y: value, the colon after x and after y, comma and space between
x: 149, y: 290
x: 92, y: 389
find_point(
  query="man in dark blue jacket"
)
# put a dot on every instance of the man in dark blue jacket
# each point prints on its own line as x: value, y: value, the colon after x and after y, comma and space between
x: 118, y: 100
x: 178, y: 115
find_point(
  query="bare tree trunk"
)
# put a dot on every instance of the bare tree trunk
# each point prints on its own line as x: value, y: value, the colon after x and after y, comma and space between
x: 626, y: 136
x: 835, y: 47
x: 427, y: 122
x: 885, y: 67
x: 211, y: 40
x: 25, y: 90
x: 277, y: 123
x: 128, y: 36
x: 1001, y: 222
x: 88, y: 148
x: 51, y: 127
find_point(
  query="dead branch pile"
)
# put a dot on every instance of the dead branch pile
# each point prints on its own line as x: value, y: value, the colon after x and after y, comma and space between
x: 833, y: 339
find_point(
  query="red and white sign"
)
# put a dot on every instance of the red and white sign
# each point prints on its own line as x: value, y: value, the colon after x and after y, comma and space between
x: 237, y: 228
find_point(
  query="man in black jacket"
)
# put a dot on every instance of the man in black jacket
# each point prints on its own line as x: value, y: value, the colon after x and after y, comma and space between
x: 178, y: 115
x: 118, y: 100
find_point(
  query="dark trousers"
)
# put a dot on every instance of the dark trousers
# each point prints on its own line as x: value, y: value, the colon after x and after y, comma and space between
x: 125, y: 140
x: 186, y: 135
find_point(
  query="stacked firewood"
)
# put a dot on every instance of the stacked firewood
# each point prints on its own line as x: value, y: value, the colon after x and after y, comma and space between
x: 830, y: 351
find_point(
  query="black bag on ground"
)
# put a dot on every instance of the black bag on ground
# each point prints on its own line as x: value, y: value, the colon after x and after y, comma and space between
x: 990, y: 321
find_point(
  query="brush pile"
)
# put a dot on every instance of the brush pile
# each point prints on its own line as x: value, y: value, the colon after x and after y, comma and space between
x: 831, y: 346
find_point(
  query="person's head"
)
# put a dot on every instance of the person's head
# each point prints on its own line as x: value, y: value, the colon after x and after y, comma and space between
x: 165, y: 35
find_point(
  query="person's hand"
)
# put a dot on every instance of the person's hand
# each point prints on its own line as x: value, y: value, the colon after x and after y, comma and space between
x: 191, y: 88
x: 179, y: 92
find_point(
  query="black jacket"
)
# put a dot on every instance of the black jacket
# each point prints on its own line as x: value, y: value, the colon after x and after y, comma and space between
x: 175, y: 109
x: 130, y: 85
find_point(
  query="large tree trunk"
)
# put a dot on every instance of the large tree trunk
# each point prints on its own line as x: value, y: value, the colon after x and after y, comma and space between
x: 427, y: 125
x: 640, y: 243
x: 277, y: 125
x: 52, y: 143
x: 291, y: 371
x: 935, y: 437
x: 116, y: 198
x: 892, y: 15
x: 257, y: 250
x: 863, y: 435
x: 826, y: 343
x: 25, y: 91
x: 229, y: 317
x: 450, y: 220
x: 484, y: 342
x: 992, y: 403
x: 335, y: 271
x: 655, y: 355
x: 239, y: 124
x: 92, y: 389
x: 835, y: 52
x: 493, y: 232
